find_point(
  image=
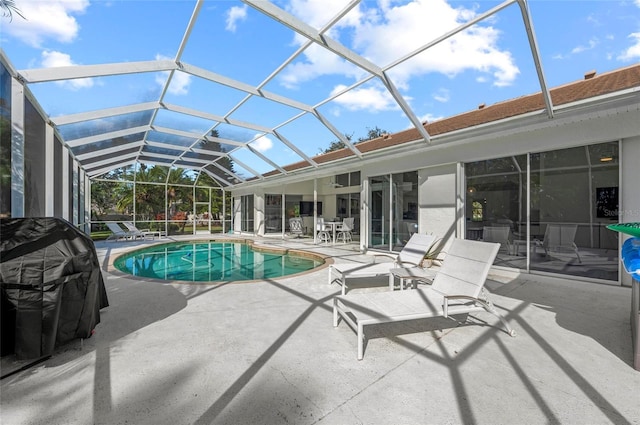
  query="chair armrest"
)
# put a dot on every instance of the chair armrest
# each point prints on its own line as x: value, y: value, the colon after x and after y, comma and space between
x: 384, y: 255
x: 445, y: 305
x: 405, y: 263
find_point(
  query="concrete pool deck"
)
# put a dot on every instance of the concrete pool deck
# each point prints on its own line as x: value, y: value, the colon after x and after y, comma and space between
x: 267, y: 353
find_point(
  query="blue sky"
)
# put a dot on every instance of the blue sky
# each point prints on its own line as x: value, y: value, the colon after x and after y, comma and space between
x: 490, y: 62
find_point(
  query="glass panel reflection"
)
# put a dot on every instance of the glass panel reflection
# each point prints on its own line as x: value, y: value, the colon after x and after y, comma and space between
x: 573, y: 196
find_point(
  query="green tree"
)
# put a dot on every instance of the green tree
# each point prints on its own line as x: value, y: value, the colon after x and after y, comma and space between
x: 337, y: 144
x: 372, y: 133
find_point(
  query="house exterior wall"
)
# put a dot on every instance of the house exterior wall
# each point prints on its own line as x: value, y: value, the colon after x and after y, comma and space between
x: 441, y: 191
x: 437, y: 201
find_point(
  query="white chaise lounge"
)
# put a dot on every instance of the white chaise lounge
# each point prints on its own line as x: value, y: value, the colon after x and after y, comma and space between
x: 144, y: 233
x: 119, y: 233
x: 411, y: 255
x: 458, y: 288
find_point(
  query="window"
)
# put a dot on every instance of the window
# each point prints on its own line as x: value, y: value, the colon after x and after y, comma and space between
x: 246, y: 205
x: 557, y: 217
x: 476, y: 211
x: 348, y: 179
x: 394, y: 209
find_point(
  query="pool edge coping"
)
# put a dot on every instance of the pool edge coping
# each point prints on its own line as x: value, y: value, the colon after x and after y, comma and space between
x: 110, y: 268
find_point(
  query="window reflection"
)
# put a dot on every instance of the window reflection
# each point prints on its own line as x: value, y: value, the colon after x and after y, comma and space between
x: 561, y: 227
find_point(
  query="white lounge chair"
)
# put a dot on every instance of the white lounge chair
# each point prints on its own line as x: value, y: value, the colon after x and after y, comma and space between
x: 558, y: 237
x: 411, y: 255
x: 144, y: 233
x: 499, y: 234
x: 119, y: 233
x: 458, y: 288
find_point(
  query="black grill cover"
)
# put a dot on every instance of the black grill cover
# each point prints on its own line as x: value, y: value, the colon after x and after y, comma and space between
x: 51, y: 284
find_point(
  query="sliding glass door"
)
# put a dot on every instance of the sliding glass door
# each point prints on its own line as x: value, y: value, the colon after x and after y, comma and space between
x: 246, y: 205
x: 393, y: 210
x: 379, y: 233
x: 548, y: 210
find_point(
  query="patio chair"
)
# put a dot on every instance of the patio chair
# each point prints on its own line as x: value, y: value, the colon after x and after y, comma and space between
x: 499, y: 234
x: 322, y: 231
x: 411, y: 227
x: 457, y: 288
x: 118, y: 233
x: 411, y: 255
x: 345, y: 230
x: 558, y: 237
x: 295, y: 226
x: 142, y: 233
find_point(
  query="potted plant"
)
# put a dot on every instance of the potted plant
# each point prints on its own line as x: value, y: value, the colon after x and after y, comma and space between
x: 432, y: 253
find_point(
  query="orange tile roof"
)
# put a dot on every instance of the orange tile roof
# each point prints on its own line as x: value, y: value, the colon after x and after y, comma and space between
x: 598, y: 85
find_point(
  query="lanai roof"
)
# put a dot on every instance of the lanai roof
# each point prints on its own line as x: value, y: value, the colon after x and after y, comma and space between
x: 169, y: 130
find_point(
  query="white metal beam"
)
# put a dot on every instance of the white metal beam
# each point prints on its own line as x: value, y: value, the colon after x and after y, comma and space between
x: 311, y: 33
x: 229, y: 172
x: 533, y: 44
x: 108, y: 151
x: 112, y: 160
x: 213, y: 117
x: 216, y: 177
x: 246, y: 167
x: 95, y: 173
x: 104, y: 113
x: 238, y: 85
x: 295, y: 149
x: 73, y: 72
x: 106, y: 136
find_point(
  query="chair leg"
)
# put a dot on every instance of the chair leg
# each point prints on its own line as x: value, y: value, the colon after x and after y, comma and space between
x: 489, y: 307
x: 575, y: 248
x: 360, y: 341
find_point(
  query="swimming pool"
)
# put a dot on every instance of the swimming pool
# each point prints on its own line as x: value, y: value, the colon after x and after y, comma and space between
x: 213, y: 261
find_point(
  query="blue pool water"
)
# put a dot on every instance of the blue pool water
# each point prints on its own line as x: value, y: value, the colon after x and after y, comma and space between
x: 211, y: 261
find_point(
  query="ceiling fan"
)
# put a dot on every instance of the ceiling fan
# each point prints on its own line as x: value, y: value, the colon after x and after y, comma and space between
x: 333, y: 184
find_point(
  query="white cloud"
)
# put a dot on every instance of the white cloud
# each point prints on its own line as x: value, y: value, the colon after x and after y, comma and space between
x: 51, y: 19
x: 634, y: 50
x: 581, y: 48
x: 382, y: 35
x: 53, y: 59
x: 318, y: 12
x: 262, y: 144
x: 180, y: 81
x: 318, y: 62
x: 372, y: 99
x: 235, y: 14
x: 442, y: 95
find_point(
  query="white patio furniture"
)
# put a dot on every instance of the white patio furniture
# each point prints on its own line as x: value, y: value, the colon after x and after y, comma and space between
x: 118, y: 233
x: 559, y: 237
x: 322, y: 231
x: 144, y: 233
x: 345, y: 230
x: 457, y: 288
x: 411, y: 255
x: 499, y: 234
x: 295, y: 226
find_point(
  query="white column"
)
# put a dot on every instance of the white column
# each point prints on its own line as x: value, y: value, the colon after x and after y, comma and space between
x: 65, y: 183
x: 76, y: 192
x: 17, y: 149
x: 49, y: 172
